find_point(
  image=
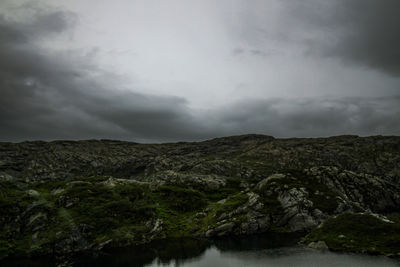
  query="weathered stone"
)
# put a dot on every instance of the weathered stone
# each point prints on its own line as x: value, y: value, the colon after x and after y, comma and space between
x: 221, y: 230
x: 37, y: 221
x: 33, y: 193
x: 270, y: 178
x: 320, y: 245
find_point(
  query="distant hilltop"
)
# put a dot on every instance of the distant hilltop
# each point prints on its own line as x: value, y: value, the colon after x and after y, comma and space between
x: 39, y: 160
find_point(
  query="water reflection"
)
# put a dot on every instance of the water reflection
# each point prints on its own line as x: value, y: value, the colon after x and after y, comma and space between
x: 257, y: 250
x: 183, y: 251
x: 257, y: 242
x: 284, y: 257
x: 165, y: 252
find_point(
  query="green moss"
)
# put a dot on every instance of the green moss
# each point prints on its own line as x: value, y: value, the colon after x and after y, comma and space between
x: 99, y: 212
x: 176, y: 206
x: 231, y: 203
x: 358, y: 233
x: 125, y: 235
x: 231, y: 187
x: 11, y: 197
x: 104, y: 209
x: 178, y: 225
x: 87, y: 190
x: 6, y: 248
x: 15, y: 247
x: 235, y: 201
x: 48, y: 186
x: 180, y: 199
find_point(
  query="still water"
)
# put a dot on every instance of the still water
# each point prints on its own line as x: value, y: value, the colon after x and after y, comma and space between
x: 260, y: 250
x: 293, y: 256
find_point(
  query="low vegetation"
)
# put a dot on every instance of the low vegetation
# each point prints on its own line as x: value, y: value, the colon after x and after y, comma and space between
x: 359, y: 233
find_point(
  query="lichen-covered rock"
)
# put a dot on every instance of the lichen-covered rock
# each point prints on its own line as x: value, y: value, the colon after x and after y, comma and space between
x: 63, y: 197
x: 319, y: 245
x: 221, y: 230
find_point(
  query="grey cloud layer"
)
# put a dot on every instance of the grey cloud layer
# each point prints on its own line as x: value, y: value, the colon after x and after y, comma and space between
x: 365, y: 32
x: 53, y: 95
x: 48, y: 95
x: 311, y: 117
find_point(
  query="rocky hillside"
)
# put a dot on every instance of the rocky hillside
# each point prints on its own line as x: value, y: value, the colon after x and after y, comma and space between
x: 65, y: 197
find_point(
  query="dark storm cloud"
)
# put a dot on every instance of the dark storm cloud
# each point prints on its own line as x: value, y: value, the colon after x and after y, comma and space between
x: 47, y: 95
x: 311, y: 117
x: 365, y: 32
x: 42, y: 25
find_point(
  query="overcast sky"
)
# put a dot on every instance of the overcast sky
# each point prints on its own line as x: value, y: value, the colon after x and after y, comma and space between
x: 178, y: 70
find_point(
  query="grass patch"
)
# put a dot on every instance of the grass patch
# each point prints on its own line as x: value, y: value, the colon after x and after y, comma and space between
x: 358, y: 233
x: 232, y: 187
x: 231, y: 203
x: 181, y: 199
x: 11, y: 197
x: 106, y: 209
x: 48, y: 186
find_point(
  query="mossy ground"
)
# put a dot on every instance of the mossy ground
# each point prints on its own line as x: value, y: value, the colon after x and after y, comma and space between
x: 126, y: 212
x: 96, y: 211
x: 359, y: 233
x: 123, y: 213
x: 13, y: 202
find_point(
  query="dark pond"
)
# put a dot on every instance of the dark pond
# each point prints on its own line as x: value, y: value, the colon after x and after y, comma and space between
x: 261, y: 250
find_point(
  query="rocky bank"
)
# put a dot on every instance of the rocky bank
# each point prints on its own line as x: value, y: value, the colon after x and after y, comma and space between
x: 65, y: 197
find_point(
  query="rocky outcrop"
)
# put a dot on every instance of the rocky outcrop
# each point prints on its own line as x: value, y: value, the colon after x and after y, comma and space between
x: 319, y: 245
x: 62, y: 197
